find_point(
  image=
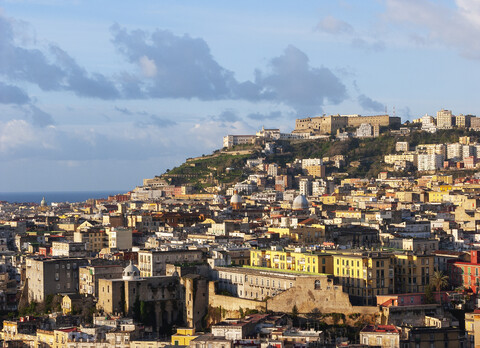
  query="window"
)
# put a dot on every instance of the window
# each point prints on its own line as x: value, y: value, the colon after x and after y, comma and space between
x: 378, y: 340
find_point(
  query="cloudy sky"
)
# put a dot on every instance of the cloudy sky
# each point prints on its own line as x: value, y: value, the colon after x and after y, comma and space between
x: 96, y: 95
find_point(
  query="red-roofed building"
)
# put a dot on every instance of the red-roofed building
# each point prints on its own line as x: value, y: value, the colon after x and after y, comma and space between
x: 380, y: 336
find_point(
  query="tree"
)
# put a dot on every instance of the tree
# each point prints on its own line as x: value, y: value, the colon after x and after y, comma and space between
x: 429, y: 294
x: 439, y: 281
x: 295, y: 315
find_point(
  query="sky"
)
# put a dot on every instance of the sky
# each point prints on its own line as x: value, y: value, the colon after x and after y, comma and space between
x: 97, y: 95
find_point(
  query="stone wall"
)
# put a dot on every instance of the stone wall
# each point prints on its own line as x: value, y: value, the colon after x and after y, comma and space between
x: 309, y: 293
x: 229, y: 306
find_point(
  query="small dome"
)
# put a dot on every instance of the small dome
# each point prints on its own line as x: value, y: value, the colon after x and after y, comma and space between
x: 236, y: 199
x: 131, y: 272
x: 300, y: 203
x: 43, y: 202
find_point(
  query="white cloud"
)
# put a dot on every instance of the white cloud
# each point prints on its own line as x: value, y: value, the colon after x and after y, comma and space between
x: 16, y: 133
x: 148, y: 66
x: 332, y: 25
x: 435, y: 23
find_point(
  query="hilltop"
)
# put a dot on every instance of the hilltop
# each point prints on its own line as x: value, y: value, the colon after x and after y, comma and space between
x: 363, y: 157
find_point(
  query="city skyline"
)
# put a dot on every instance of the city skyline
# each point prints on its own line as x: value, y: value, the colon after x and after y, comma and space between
x: 96, y: 99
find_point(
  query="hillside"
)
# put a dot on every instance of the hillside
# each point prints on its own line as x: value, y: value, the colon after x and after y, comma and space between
x: 363, y: 157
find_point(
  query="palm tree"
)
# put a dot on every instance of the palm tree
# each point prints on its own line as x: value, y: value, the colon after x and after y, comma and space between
x: 439, y: 281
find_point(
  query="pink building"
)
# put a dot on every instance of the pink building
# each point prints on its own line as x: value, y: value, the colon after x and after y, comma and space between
x: 412, y: 299
x: 470, y: 162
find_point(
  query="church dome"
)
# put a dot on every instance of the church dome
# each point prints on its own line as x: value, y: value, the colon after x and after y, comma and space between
x: 43, y: 202
x: 131, y: 272
x: 236, y: 199
x: 300, y: 203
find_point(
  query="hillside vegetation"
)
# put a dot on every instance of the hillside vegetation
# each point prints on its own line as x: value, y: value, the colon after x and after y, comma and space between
x: 363, y: 157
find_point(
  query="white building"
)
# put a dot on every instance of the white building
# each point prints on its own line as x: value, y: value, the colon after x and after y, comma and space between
x: 402, y: 146
x: 428, y: 124
x: 232, y: 140
x: 469, y: 151
x: 430, y: 162
x: 454, y: 151
x: 445, y: 119
x: 365, y: 130
x: 306, y: 162
x: 305, y: 187
x: 272, y: 169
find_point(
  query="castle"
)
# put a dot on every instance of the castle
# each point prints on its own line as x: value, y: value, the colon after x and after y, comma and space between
x: 331, y: 124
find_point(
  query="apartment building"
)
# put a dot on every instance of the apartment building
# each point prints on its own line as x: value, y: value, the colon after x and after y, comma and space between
x: 445, y: 119
x: 428, y: 162
x: 95, y: 239
x: 90, y: 275
x: 364, y: 275
x: 152, y: 263
x: 51, y: 276
x: 68, y: 249
x: 120, y: 238
x: 297, y: 260
x: 254, y: 284
x: 412, y: 272
x: 317, y: 171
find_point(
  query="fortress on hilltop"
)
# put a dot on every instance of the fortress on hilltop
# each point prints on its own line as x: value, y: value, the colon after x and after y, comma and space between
x: 330, y: 124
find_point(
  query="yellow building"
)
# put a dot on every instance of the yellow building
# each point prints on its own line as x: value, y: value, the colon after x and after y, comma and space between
x: 412, y: 272
x: 317, y: 171
x: 45, y: 339
x: 71, y: 302
x: 328, y: 199
x: 349, y: 214
x: 445, y: 188
x: 364, y: 275
x: 304, y: 234
x: 95, y: 239
x: 183, y: 336
x: 298, y: 260
x: 472, y: 327
x: 436, y: 197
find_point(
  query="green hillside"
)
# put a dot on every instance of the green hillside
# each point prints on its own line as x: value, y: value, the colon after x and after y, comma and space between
x: 363, y: 157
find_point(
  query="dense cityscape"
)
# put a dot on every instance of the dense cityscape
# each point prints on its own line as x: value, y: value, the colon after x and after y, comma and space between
x: 268, y: 242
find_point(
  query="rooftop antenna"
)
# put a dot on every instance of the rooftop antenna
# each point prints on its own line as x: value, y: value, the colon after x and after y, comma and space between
x: 386, y: 110
x: 394, y: 111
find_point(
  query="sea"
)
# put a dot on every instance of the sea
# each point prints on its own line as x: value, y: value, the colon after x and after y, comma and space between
x: 55, y: 196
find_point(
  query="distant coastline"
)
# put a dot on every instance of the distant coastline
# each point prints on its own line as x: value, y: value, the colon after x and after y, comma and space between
x: 55, y: 196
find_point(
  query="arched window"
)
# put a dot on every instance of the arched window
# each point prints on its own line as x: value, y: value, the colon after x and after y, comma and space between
x: 317, y: 284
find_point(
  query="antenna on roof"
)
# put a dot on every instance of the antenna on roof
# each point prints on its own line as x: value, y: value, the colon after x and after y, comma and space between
x: 394, y: 111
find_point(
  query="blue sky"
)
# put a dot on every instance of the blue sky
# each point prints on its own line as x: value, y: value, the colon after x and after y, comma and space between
x: 96, y: 95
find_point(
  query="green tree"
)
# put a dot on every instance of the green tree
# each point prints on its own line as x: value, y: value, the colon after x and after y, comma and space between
x: 429, y: 294
x: 439, y: 281
x: 295, y: 315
